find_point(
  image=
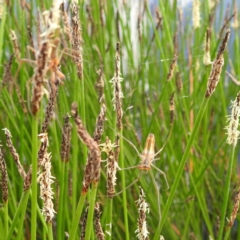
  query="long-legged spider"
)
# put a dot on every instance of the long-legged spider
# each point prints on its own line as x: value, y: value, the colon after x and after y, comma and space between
x: 147, y: 158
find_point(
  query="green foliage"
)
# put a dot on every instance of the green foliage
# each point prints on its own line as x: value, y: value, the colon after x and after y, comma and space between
x: 196, y: 205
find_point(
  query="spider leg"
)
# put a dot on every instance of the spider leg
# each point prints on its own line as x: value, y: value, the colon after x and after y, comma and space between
x: 139, y: 154
x: 136, y: 180
x: 164, y: 175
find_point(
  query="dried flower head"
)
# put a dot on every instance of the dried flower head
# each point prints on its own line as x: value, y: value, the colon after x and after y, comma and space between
x: 196, y: 14
x: 100, y: 86
x: 174, y: 60
x: 3, y: 170
x: 217, y: 67
x: 179, y: 83
x: 45, y: 180
x: 142, y: 232
x: 232, y: 132
x: 66, y: 139
x: 92, y: 171
x: 50, y: 107
x: 97, y: 224
x: 77, y: 39
x: 28, y: 180
x: 207, y: 57
x: 14, y: 153
x: 235, y: 208
x: 112, y: 166
x: 84, y: 225
x: 7, y: 76
x: 117, y: 91
x: 15, y: 44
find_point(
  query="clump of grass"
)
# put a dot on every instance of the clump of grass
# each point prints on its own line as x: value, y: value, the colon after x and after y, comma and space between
x: 110, y: 40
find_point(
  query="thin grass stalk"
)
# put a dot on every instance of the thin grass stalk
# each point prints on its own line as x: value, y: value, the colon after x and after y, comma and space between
x: 75, y: 150
x: 3, y: 19
x: 181, y: 166
x: 21, y: 209
x: 50, y: 232
x: 89, y: 227
x: 124, y: 194
x: 61, y: 215
x: 5, y: 220
x: 34, y: 176
x: 226, y: 194
x: 20, y: 227
x: 77, y: 216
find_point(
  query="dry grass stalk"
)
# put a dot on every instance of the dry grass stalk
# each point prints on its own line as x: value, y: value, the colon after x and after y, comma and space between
x: 66, y: 139
x: 226, y: 22
x: 179, y: 83
x: 3, y: 170
x: 7, y: 75
x: 15, y: 45
x: 14, y: 153
x: 159, y: 22
x: 84, y: 225
x: 97, y: 224
x: 45, y: 180
x: 217, y: 67
x: 77, y: 40
x: 142, y: 232
x: 196, y: 14
x: 233, y: 119
x: 235, y: 209
x: 100, y: 86
x: 90, y: 17
x: 66, y: 25
x: 207, y: 58
x: 92, y: 171
x: 40, y: 71
x: 112, y: 166
x: 50, y: 107
x: 174, y: 60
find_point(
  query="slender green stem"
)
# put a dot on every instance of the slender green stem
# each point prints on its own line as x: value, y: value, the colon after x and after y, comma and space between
x: 77, y: 216
x: 61, y: 219
x: 34, y: 176
x: 124, y: 196
x: 21, y: 209
x: 226, y: 195
x: 181, y: 166
x: 50, y: 232
x: 5, y: 218
x: 109, y: 218
x: 3, y: 18
x: 89, y: 226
